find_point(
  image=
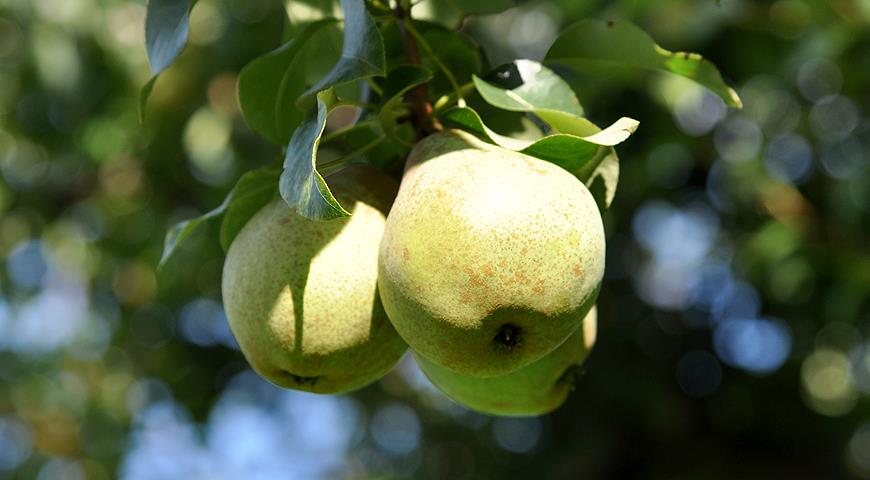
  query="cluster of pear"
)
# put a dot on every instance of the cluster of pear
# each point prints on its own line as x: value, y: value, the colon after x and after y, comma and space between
x: 487, y: 263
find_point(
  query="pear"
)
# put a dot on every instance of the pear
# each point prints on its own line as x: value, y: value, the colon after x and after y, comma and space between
x: 301, y: 295
x: 490, y: 258
x: 535, y: 389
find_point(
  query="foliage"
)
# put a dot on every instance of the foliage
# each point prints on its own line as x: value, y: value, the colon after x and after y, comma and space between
x: 733, y: 326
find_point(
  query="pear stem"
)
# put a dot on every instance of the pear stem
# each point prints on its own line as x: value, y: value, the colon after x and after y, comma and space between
x: 419, y: 95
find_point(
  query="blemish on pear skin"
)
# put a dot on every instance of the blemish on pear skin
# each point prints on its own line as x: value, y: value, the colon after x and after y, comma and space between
x: 488, y: 270
x: 406, y: 255
x: 578, y: 272
x: 474, y: 280
x: 465, y: 297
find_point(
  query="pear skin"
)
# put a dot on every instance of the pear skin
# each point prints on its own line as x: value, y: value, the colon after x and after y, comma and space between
x: 490, y: 258
x: 301, y: 295
x: 535, y: 389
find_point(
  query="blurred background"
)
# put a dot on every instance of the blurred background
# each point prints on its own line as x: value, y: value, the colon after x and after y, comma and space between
x: 734, y: 336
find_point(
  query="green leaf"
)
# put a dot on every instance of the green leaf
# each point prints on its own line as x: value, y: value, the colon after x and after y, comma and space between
x: 595, y: 45
x: 398, y: 82
x: 166, y: 29
x: 581, y: 135
x: 362, y: 51
x: 143, y: 97
x: 253, y: 190
x: 528, y: 86
x: 590, y: 157
x: 301, y: 186
x: 269, y: 86
x: 601, y: 175
x: 451, y: 12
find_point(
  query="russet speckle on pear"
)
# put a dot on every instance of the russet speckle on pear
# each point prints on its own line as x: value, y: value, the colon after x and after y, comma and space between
x: 301, y: 295
x: 535, y: 389
x: 490, y: 258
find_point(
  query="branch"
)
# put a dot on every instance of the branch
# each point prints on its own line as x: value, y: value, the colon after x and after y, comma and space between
x: 418, y: 96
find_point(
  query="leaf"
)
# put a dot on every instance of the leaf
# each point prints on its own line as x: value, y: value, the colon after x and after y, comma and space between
x: 269, y: 85
x: 362, y: 51
x: 166, y: 29
x: 595, y: 44
x: 451, y: 12
x: 591, y: 157
x: 400, y: 79
x: 528, y: 86
x: 246, y: 197
x: 253, y: 191
x: 601, y: 177
x: 301, y: 186
x: 454, y: 50
x: 569, y: 144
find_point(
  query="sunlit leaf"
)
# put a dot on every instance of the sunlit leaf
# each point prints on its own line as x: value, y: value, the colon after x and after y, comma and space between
x: 591, y: 158
x: 528, y: 86
x: 595, y: 45
x: 466, y: 118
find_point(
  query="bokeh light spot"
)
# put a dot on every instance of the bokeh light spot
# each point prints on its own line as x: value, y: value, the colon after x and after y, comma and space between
x: 396, y: 429
x: 789, y: 158
x: 517, y: 435
x: 758, y: 346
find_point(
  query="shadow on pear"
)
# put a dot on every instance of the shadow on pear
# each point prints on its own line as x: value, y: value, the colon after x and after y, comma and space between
x: 535, y: 389
x: 301, y: 295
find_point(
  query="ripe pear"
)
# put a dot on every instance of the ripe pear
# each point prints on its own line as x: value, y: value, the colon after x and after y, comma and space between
x: 490, y: 258
x: 301, y: 295
x: 535, y: 389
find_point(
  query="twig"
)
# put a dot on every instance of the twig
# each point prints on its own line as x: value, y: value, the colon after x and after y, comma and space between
x: 457, y: 90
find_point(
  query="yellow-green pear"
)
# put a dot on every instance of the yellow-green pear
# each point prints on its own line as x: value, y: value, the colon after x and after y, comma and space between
x: 301, y: 295
x: 535, y: 389
x: 490, y: 258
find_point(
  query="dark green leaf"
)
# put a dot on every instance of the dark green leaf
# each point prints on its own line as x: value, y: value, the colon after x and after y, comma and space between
x: 270, y: 85
x: 399, y: 81
x: 247, y: 196
x: 166, y: 29
x: 454, y: 50
x: 143, y: 97
x: 450, y: 12
x: 253, y: 191
x: 528, y: 86
x: 362, y: 51
x: 595, y: 45
x: 301, y: 186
